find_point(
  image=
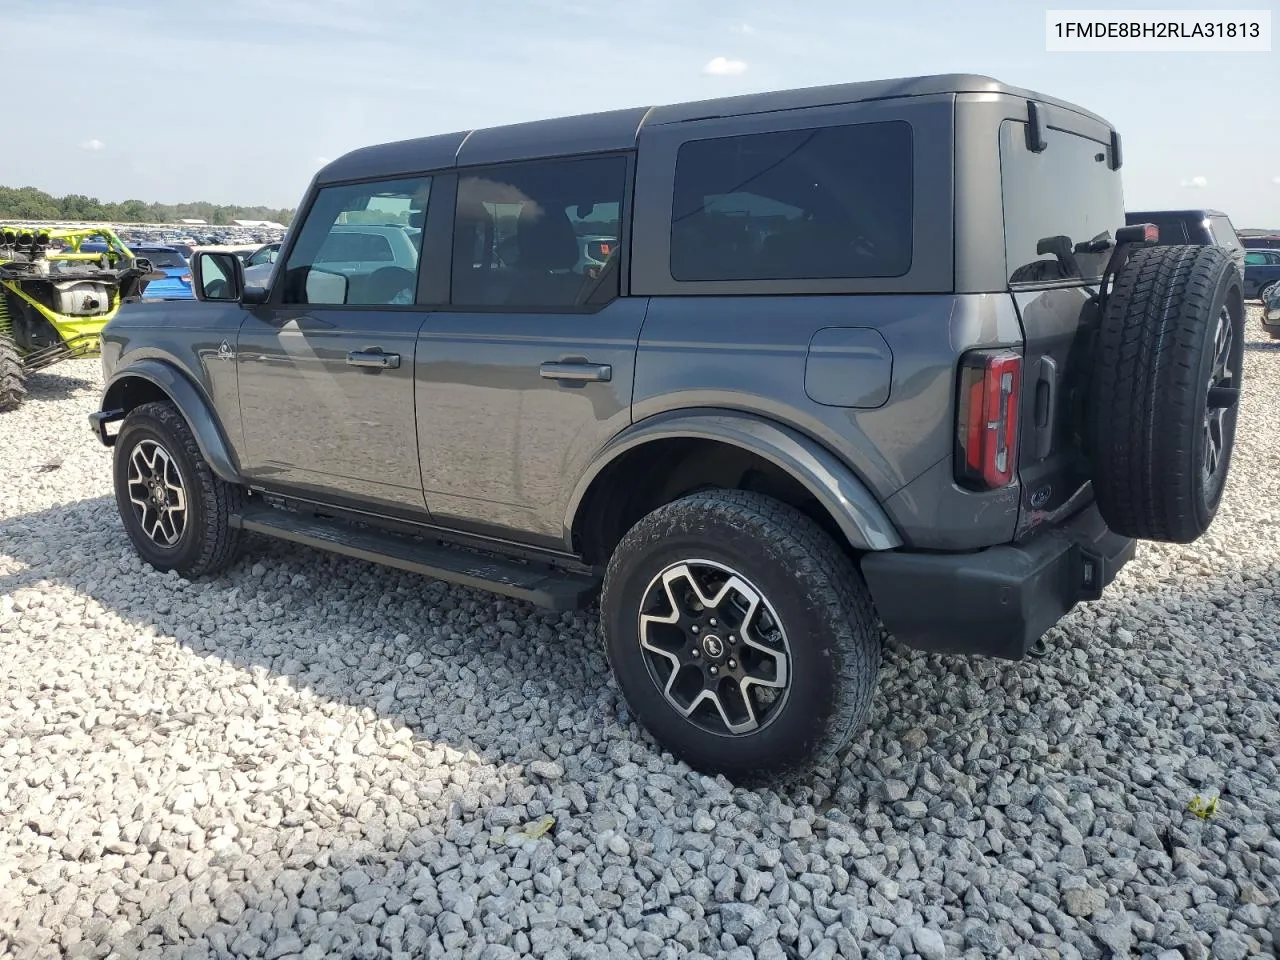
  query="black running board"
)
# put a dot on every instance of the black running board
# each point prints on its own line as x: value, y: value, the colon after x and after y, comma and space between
x: 537, y: 583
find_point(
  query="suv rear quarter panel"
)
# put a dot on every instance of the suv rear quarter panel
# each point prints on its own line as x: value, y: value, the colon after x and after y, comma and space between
x: 773, y: 348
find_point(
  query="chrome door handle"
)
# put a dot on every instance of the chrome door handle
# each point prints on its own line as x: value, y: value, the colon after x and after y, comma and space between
x: 576, y: 371
x: 373, y: 358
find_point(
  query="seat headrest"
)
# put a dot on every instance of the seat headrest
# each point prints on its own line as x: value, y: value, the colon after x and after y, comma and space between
x: 546, y: 239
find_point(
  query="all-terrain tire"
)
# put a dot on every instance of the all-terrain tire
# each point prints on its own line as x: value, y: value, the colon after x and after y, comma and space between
x: 13, y: 380
x: 830, y: 631
x: 1159, y: 347
x: 208, y: 542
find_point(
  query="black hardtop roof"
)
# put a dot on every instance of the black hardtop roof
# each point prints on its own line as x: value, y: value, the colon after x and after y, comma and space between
x: 620, y: 129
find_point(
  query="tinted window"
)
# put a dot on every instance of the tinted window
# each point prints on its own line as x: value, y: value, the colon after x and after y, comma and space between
x: 1256, y: 259
x: 1171, y: 231
x: 1224, y: 234
x: 1053, y: 200
x: 161, y: 258
x: 794, y: 205
x: 354, y: 247
x: 533, y: 234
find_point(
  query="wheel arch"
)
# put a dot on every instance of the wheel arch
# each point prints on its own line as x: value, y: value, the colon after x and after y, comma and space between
x: 649, y: 455
x: 151, y: 379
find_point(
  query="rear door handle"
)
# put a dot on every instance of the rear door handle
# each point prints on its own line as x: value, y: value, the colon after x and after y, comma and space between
x: 576, y: 371
x: 373, y: 358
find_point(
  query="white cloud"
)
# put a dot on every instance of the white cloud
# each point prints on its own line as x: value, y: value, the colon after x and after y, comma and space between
x: 724, y: 67
x: 1276, y: 178
x: 744, y: 28
x: 93, y: 145
x: 1196, y: 183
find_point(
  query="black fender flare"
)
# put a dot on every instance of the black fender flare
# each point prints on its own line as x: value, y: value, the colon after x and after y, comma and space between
x: 189, y: 401
x: 837, y: 488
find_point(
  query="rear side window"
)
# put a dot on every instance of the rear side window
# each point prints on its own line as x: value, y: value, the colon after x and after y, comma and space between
x: 1224, y: 234
x: 1055, y: 200
x: 1172, y: 231
x: 828, y: 202
x: 539, y: 235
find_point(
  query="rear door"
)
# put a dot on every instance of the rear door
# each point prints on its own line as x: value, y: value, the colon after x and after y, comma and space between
x: 528, y: 372
x: 1053, y: 200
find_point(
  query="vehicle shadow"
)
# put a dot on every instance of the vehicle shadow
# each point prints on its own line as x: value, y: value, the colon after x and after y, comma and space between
x: 43, y: 385
x: 953, y: 703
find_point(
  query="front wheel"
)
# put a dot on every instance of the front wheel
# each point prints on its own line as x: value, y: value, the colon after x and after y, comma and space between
x: 741, y: 636
x: 176, y: 512
x: 1269, y: 291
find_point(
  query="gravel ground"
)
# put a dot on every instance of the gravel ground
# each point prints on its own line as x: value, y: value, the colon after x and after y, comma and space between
x: 317, y: 757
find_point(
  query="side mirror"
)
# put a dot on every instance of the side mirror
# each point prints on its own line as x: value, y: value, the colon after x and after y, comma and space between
x: 217, y: 277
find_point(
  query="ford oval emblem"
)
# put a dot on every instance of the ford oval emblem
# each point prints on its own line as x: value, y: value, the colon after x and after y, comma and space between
x: 1040, y: 496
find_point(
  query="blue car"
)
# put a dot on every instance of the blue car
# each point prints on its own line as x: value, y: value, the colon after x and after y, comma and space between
x: 177, y: 282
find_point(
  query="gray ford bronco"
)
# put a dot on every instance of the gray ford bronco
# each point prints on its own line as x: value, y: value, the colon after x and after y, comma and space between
x: 769, y: 376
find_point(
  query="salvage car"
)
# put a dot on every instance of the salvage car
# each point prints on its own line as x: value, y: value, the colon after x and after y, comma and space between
x: 865, y: 357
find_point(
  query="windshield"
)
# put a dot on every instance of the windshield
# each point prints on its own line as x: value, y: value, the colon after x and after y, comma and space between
x: 161, y: 258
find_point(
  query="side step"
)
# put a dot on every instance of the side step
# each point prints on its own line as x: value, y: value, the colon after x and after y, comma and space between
x: 539, y: 584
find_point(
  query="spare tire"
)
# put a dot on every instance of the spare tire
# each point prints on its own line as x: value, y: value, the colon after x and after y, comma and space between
x: 1167, y: 379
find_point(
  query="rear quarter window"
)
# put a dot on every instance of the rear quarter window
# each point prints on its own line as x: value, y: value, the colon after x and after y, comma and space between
x: 1224, y: 234
x: 1053, y: 200
x: 808, y: 204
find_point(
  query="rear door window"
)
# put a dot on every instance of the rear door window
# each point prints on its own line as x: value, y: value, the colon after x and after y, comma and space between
x: 1055, y: 200
x: 828, y: 202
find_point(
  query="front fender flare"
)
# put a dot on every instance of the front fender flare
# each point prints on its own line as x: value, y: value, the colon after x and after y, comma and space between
x: 190, y: 402
x: 837, y: 488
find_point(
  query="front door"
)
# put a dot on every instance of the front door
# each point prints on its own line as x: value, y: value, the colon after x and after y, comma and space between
x: 325, y: 368
x: 529, y: 372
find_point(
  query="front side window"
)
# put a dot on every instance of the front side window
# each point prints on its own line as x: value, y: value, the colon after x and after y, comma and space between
x: 541, y: 234
x: 827, y: 202
x: 1056, y: 202
x: 360, y: 245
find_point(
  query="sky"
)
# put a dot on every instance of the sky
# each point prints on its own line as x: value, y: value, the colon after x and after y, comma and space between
x: 241, y: 101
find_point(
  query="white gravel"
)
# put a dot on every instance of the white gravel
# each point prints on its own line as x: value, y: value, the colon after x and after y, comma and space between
x: 317, y: 757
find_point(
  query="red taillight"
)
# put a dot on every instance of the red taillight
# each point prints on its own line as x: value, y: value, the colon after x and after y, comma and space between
x: 987, y: 419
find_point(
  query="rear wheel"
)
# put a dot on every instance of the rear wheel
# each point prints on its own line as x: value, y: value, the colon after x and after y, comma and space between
x: 1267, y: 292
x: 176, y: 512
x: 1168, y: 377
x: 13, y: 380
x: 740, y: 634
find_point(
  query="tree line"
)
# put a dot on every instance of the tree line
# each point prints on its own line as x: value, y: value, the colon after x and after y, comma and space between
x: 28, y: 203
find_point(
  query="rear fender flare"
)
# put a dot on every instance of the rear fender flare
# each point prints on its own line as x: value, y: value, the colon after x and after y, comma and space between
x: 837, y: 488
x: 189, y: 401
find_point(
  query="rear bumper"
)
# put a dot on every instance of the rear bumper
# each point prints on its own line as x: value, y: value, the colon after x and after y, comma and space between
x: 999, y: 601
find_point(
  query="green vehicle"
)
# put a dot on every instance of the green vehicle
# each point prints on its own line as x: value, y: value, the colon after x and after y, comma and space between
x: 55, y: 298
